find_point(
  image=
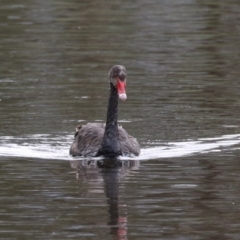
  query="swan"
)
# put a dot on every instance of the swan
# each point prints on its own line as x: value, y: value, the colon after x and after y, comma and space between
x: 107, y: 139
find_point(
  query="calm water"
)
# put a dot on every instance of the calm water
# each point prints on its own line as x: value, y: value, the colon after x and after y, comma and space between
x: 183, y: 105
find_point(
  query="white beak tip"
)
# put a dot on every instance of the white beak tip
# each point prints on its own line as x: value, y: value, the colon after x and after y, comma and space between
x: 122, y: 96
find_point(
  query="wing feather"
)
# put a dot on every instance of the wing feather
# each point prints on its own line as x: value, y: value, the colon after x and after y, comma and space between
x: 88, y: 139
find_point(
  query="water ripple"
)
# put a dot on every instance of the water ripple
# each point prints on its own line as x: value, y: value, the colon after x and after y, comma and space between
x: 46, y: 146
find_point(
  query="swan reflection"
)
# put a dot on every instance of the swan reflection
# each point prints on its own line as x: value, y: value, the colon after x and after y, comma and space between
x: 109, y: 172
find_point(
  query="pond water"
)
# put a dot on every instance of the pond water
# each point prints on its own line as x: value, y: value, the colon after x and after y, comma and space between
x: 182, y: 59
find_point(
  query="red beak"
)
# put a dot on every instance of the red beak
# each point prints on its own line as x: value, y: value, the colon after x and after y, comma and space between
x: 121, y: 87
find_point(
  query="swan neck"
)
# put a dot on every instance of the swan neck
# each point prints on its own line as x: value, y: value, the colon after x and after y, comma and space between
x: 112, y: 112
x: 110, y: 145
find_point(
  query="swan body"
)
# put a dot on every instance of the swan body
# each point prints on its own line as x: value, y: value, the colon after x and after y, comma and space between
x: 88, y: 139
x: 107, y: 139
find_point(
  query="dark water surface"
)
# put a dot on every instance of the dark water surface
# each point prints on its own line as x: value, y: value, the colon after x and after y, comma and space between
x: 183, y: 105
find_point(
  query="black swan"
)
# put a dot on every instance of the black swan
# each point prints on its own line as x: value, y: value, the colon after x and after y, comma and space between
x: 110, y: 139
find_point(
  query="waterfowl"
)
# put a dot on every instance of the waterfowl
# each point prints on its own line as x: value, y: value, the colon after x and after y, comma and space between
x: 107, y: 139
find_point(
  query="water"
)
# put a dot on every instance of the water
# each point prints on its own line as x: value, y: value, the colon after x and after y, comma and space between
x: 183, y: 104
x: 45, y: 146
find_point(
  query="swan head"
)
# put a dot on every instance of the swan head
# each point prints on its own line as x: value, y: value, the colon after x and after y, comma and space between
x: 118, y: 78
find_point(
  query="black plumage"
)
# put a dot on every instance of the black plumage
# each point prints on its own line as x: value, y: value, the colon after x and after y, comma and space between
x: 110, y: 139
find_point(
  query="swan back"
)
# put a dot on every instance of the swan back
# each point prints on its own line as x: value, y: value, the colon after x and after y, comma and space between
x: 88, y: 140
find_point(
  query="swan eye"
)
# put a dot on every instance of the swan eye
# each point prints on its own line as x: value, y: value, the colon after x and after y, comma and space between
x: 122, y: 77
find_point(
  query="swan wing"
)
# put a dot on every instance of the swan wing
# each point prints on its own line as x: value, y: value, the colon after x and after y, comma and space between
x: 129, y: 144
x: 87, y: 140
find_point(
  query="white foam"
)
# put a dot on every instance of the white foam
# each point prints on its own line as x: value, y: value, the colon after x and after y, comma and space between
x: 47, y: 146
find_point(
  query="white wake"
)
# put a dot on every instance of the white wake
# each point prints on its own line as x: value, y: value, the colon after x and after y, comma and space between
x: 47, y: 146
